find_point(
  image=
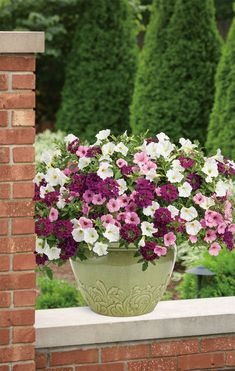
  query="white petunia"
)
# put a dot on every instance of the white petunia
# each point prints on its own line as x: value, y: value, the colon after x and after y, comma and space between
x: 38, y: 178
x: 75, y: 223
x: 152, y: 150
x: 83, y: 162
x: 78, y: 234
x: 193, y: 227
x: 108, y: 149
x: 207, y: 203
x: 219, y: 157
x: 151, y: 175
x: 112, y: 233
x: 105, y: 170
x: 61, y: 203
x: 174, y: 211
x: 47, y: 156
x: 41, y: 245
x: 176, y: 165
x: 174, y: 176
x: 185, y: 190
x: 221, y: 188
x: 103, y: 134
x: 162, y: 137
x: 150, y: 210
x: 142, y: 241
x: 55, y: 176
x: 188, y: 213
x: 106, y: 158
x: 100, y: 248
x: 121, y: 148
x: 46, y: 189
x: 53, y: 252
x: 90, y: 235
x: 210, y: 168
x: 186, y: 145
x: 69, y: 138
x: 122, y: 186
x: 165, y: 148
x: 148, y: 229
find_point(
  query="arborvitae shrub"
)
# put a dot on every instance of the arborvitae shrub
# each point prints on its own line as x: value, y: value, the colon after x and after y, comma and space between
x: 100, y: 72
x: 221, y: 131
x: 175, y: 81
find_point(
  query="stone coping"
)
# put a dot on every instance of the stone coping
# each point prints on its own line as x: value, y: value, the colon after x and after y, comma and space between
x: 176, y: 318
x: 21, y: 42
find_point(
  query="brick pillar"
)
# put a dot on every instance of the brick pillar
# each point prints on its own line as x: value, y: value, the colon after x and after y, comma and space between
x: 17, y: 240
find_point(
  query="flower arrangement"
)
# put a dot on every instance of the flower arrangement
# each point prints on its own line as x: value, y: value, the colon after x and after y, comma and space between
x: 145, y: 193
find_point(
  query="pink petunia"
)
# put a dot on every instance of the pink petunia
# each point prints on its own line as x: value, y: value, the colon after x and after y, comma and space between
x: 214, y: 249
x: 87, y: 196
x: 121, y: 217
x: 213, y: 218
x: 85, y: 208
x: 98, y: 199
x: 158, y: 191
x: 132, y: 218
x: 149, y: 165
x: 107, y: 219
x: 82, y: 151
x: 53, y: 216
x: 140, y: 158
x: 231, y: 228
x: 169, y: 239
x: 131, y: 207
x: 210, y: 236
x: 193, y: 239
x: 67, y: 171
x: 221, y: 228
x: 228, y: 210
x: 113, y: 205
x: 120, y: 162
x: 160, y: 250
x: 199, y: 198
x: 85, y: 223
x: 123, y: 199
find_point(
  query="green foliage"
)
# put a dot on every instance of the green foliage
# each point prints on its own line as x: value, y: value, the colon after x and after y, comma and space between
x: 46, y: 141
x: 175, y: 80
x: 221, y: 131
x: 57, y: 294
x: 222, y: 284
x: 100, y: 71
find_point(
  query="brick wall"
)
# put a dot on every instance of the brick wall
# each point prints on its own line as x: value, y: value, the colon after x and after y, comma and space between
x: 193, y: 353
x: 17, y: 240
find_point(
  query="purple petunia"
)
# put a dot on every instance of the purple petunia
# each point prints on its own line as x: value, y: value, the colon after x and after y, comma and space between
x: 186, y: 162
x: 147, y: 251
x: 63, y: 228
x: 162, y: 216
x: 68, y: 248
x: 195, y: 180
x: 143, y: 198
x: 93, y: 151
x: 145, y: 184
x: 130, y: 232
x: 169, y: 192
x: 43, y: 227
x: 73, y: 146
x: 51, y: 198
x: 41, y: 259
x: 126, y: 170
x: 228, y: 240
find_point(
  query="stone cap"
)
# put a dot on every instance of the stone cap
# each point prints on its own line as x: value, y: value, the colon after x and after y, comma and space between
x: 21, y: 42
x: 175, y: 318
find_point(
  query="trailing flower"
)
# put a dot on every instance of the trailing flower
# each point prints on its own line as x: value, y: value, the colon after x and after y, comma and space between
x: 129, y: 191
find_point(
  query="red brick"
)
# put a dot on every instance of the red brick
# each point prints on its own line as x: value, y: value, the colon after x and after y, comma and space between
x: 5, y: 299
x: 17, y: 353
x: 11, y: 173
x: 230, y: 358
x: 3, y: 227
x: 24, y: 154
x: 16, y: 208
x: 26, y: 81
x: 200, y: 361
x: 23, y: 334
x: 4, y: 155
x: 4, y: 336
x: 173, y: 348
x: 3, y: 82
x: 3, y: 118
x: 17, y: 244
x: 22, y: 262
x: 23, y: 118
x: 218, y: 343
x: 17, y: 136
x: 160, y: 364
x: 24, y: 317
x: 15, y: 63
x: 24, y: 298
x: 4, y: 191
x: 4, y: 263
x: 74, y: 356
x: 4, y: 368
x: 24, y: 367
x: 125, y: 352
x: 62, y: 368
x: 104, y: 367
x: 17, y: 281
x: 23, y: 190
x: 40, y: 360
x: 23, y: 226
x: 17, y: 100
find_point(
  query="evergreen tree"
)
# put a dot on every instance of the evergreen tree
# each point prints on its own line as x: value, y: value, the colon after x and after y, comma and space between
x: 100, y: 72
x: 221, y: 131
x: 175, y: 82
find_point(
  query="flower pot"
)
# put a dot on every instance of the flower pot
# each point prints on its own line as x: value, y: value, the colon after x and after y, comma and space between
x: 115, y: 285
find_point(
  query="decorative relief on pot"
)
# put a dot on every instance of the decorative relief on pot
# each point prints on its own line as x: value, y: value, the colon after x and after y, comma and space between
x: 114, y: 301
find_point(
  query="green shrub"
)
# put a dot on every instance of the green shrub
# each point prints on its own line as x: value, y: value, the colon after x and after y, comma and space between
x: 100, y: 71
x: 57, y: 294
x: 175, y: 80
x: 45, y: 141
x: 222, y: 284
x: 221, y: 131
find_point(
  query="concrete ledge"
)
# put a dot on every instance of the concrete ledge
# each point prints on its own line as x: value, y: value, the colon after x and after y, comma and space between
x: 21, y: 42
x: 177, y: 318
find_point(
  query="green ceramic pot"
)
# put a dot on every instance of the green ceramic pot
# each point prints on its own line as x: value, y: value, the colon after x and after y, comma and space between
x: 115, y: 285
